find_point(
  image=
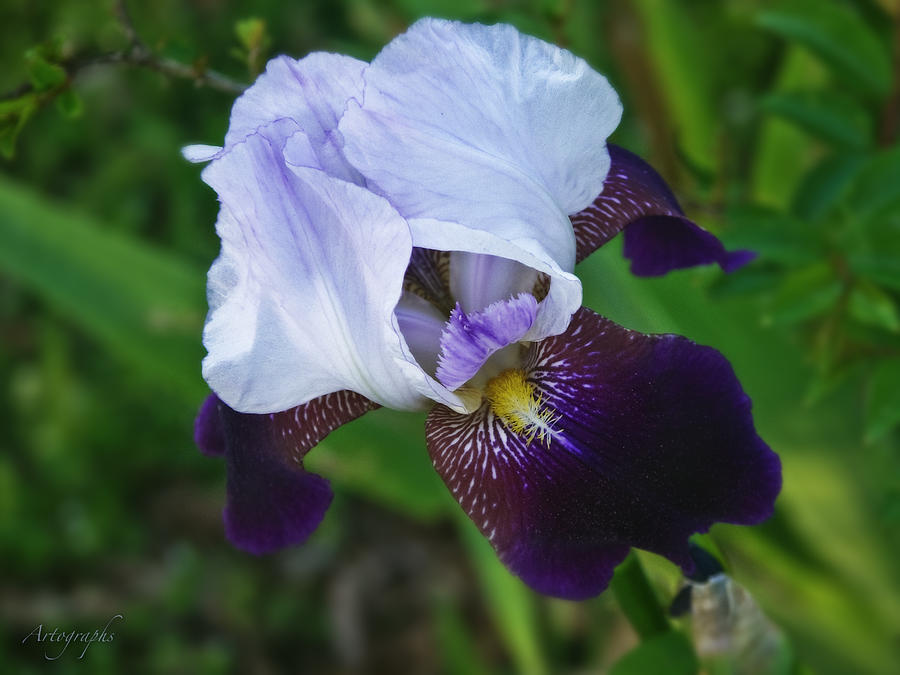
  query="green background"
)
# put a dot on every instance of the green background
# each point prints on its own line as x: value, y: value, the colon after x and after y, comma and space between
x: 775, y: 123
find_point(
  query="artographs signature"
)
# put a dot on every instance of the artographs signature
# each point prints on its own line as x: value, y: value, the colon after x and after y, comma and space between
x: 60, y: 639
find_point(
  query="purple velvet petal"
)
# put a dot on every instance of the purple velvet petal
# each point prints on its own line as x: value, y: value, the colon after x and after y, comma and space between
x: 272, y: 501
x: 652, y: 440
x: 656, y: 245
x: 469, y: 340
x: 208, y: 433
x: 658, y: 236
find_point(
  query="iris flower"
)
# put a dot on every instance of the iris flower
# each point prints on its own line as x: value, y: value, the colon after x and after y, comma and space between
x: 403, y: 234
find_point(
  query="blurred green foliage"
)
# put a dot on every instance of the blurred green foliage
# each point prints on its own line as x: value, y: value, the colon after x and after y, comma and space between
x: 775, y: 122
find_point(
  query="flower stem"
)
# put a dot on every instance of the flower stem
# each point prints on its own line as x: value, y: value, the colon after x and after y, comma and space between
x: 638, y: 599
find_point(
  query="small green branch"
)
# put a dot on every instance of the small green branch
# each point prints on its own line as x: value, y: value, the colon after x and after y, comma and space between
x: 136, y: 54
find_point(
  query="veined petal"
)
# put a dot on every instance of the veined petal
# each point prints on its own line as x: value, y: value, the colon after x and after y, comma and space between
x: 469, y: 340
x: 605, y: 439
x: 313, y: 92
x: 272, y: 501
x: 484, y: 139
x: 659, y: 238
x: 477, y: 280
x: 302, y: 296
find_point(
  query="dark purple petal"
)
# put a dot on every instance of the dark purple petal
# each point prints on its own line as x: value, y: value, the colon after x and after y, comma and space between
x: 658, y: 236
x: 650, y: 440
x: 208, y: 433
x: 272, y: 501
x: 470, y: 339
x: 656, y: 245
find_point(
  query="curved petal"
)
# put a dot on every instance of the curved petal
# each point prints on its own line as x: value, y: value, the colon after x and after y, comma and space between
x: 645, y: 440
x: 477, y: 280
x: 272, y: 501
x: 469, y: 340
x: 313, y: 92
x: 199, y: 153
x: 658, y: 236
x: 485, y: 139
x: 302, y: 296
x: 421, y: 324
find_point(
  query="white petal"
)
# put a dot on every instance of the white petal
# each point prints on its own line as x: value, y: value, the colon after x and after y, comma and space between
x: 302, y: 296
x: 200, y: 153
x: 486, y: 128
x: 312, y: 91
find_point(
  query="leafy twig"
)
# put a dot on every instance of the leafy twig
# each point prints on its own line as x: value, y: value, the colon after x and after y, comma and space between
x: 137, y: 54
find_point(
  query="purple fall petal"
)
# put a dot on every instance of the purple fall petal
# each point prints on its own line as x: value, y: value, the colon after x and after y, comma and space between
x: 656, y: 245
x: 208, y: 433
x: 272, y: 501
x: 659, y: 238
x: 652, y: 440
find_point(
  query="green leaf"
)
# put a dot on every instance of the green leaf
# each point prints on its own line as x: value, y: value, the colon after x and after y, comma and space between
x: 873, y: 307
x: 382, y: 456
x: 881, y: 268
x: 773, y: 235
x: 14, y: 115
x: 459, y: 650
x: 511, y: 603
x: 69, y: 103
x: 782, y: 150
x: 685, y: 64
x: 638, y: 599
x: 43, y: 74
x: 670, y: 653
x: 837, y: 35
x: 805, y: 293
x: 832, y: 117
x: 883, y: 403
x: 826, y: 185
x: 251, y: 33
x: 255, y: 42
x: 138, y: 302
x: 878, y: 186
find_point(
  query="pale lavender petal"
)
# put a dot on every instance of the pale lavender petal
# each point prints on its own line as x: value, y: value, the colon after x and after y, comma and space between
x: 469, y: 340
x: 200, y: 153
x: 313, y: 92
x: 302, y: 297
x: 421, y: 324
x: 478, y: 280
x: 485, y: 140
x: 647, y: 439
